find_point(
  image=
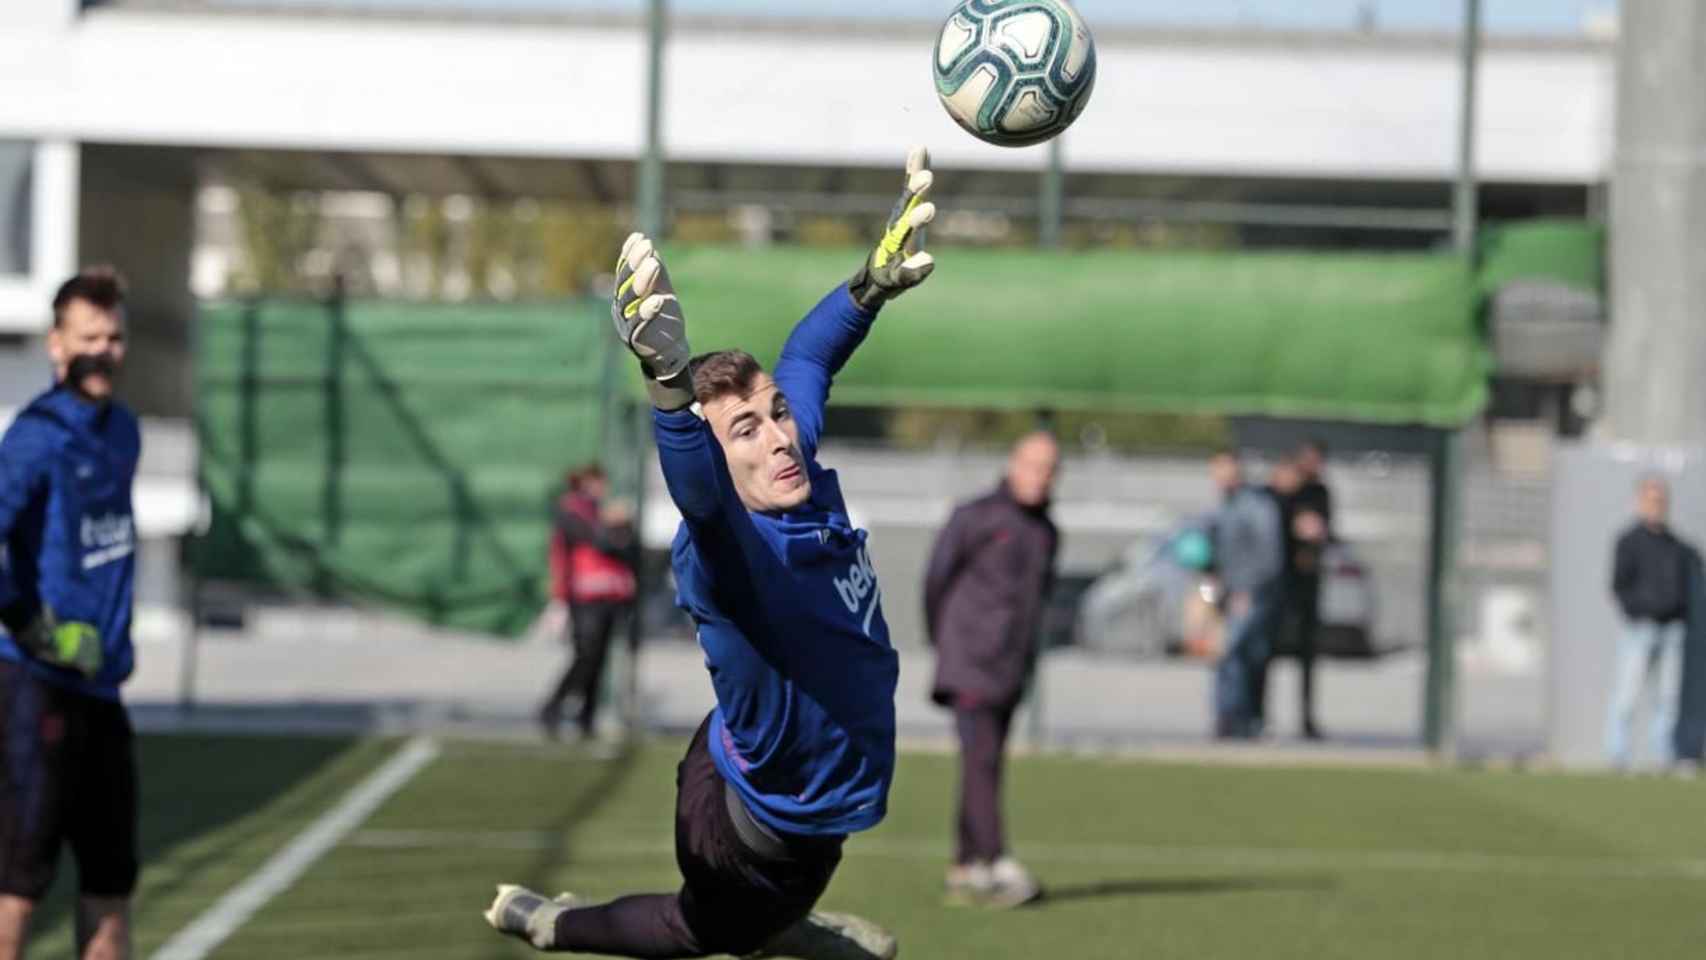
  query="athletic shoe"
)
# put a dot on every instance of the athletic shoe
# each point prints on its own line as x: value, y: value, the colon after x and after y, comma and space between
x: 968, y: 884
x: 832, y: 936
x: 550, y: 719
x: 1012, y: 885
x: 529, y: 916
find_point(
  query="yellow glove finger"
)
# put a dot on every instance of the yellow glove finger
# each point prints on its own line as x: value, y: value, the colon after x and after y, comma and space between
x: 898, y: 240
x: 634, y: 239
x: 642, y: 283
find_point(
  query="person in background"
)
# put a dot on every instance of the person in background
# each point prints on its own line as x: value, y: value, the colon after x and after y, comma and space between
x: 988, y: 577
x: 1306, y: 533
x: 593, y: 574
x: 1249, y: 551
x: 1649, y: 579
x: 1310, y: 521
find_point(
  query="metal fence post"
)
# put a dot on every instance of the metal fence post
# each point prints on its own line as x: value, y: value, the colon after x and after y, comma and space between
x: 1439, y: 718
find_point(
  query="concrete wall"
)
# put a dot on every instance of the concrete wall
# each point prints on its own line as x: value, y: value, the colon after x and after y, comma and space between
x: 1360, y: 106
x: 1655, y: 364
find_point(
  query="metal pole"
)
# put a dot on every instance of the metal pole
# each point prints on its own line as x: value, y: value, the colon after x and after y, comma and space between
x: 189, y: 656
x: 630, y: 692
x: 1439, y: 727
x: 1052, y: 203
x: 1466, y: 198
x: 649, y: 203
x: 1654, y: 369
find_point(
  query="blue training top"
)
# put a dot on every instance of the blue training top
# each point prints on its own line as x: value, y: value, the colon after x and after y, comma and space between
x: 788, y: 611
x: 66, y: 469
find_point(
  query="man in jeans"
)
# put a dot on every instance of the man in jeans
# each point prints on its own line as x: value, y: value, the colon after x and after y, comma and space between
x: 1650, y: 577
x: 1249, y: 557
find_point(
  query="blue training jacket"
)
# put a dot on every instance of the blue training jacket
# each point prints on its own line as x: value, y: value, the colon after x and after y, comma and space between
x: 66, y: 469
x: 788, y: 611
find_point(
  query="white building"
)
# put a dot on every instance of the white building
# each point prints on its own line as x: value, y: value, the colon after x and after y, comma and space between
x: 118, y: 112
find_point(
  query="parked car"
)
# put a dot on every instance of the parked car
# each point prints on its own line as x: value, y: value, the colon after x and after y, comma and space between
x: 1162, y: 599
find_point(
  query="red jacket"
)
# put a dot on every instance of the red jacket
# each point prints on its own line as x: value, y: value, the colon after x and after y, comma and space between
x: 587, y: 565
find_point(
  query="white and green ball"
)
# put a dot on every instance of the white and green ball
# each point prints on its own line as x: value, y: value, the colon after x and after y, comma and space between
x: 1015, y: 72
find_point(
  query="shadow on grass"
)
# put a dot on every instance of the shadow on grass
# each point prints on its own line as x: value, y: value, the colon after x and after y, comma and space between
x: 1187, y: 886
x: 192, y: 786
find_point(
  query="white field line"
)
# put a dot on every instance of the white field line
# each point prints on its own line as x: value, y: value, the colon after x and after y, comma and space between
x: 1417, y: 861
x: 285, y: 867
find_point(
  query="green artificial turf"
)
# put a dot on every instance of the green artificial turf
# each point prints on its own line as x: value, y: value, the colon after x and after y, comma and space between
x: 1142, y: 859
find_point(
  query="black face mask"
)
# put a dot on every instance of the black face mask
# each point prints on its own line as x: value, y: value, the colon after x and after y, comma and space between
x: 87, y: 365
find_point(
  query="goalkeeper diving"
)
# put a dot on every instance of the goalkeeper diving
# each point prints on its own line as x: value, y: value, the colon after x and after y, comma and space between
x: 800, y: 750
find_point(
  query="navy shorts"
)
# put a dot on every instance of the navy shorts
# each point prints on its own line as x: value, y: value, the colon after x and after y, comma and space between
x: 734, y: 897
x: 67, y: 775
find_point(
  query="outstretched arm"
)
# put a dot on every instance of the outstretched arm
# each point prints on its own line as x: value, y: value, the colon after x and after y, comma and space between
x: 814, y: 354
x: 650, y: 322
x: 822, y: 342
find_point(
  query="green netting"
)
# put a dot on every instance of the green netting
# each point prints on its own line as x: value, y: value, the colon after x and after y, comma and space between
x: 402, y: 454
x: 1368, y: 338
x: 1566, y: 252
x: 405, y: 454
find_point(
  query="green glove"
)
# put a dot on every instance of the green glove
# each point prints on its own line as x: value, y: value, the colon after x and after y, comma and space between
x: 529, y: 916
x: 898, y: 265
x: 71, y: 644
x: 650, y: 323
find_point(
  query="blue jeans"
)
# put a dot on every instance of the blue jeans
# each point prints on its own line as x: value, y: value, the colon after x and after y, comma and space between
x: 1249, y: 643
x: 1649, y: 654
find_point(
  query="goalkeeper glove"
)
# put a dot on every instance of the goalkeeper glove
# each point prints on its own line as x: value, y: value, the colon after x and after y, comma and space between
x: 529, y: 916
x: 650, y: 323
x: 897, y: 265
x: 73, y: 644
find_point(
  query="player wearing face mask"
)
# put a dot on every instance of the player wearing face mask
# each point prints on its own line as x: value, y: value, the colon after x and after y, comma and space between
x: 67, y: 773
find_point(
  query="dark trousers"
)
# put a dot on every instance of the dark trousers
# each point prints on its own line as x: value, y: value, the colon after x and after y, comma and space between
x: 591, y: 627
x: 983, y: 751
x: 733, y: 899
x: 1301, y: 621
x: 67, y: 778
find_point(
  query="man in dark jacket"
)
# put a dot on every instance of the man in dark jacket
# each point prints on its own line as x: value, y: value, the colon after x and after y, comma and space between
x: 1306, y: 511
x: 1650, y: 580
x: 989, y: 575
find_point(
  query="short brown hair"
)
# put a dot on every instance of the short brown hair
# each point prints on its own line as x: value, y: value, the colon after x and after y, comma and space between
x: 723, y: 373
x: 586, y: 473
x: 98, y: 286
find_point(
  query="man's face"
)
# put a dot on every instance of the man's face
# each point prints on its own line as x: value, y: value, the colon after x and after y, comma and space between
x: 1652, y: 502
x: 1286, y: 479
x: 87, y: 348
x: 1227, y: 473
x: 761, y: 442
x: 1032, y: 468
x: 1310, y: 461
x: 595, y: 487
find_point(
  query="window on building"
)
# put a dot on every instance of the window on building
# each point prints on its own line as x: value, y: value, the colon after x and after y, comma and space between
x: 16, y: 160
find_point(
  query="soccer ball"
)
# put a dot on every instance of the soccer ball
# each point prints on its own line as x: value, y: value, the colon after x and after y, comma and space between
x: 1015, y: 72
